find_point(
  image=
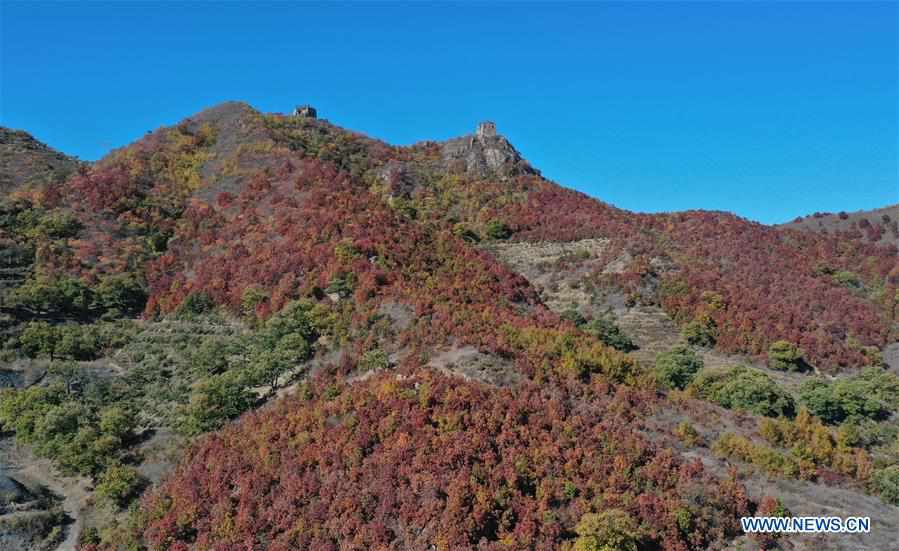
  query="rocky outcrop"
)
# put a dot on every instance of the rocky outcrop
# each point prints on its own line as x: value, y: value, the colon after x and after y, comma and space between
x: 485, y: 154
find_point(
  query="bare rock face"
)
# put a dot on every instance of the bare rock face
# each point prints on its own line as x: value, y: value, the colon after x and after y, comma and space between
x: 399, y: 178
x: 485, y: 154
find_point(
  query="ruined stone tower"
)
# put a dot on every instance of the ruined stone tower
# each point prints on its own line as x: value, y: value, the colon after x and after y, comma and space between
x: 486, y: 129
x: 306, y: 111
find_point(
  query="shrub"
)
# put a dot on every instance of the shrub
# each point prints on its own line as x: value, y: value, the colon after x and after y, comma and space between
x: 743, y: 388
x: 118, y: 484
x: 77, y: 342
x: 606, y: 330
x: 496, y: 229
x: 38, y: 338
x: 677, y: 367
x: 214, y: 401
x: 786, y: 356
x: 342, y: 284
x: 770, y: 507
x: 687, y: 434
x: 465, y: 233
x: 75, y: 434
x: 886, y: 484
x: 611, y: 530
x: 65, y: 295
x: 374, y: 359
x: 195, y: 304
x: 699, y: 333
x: 120, y: 293
x: 873, y: 394
x: 848, y: 279
x: 252, y: 297
x: 772, y: 461
x: 809, y: 440
x: 574, y: 317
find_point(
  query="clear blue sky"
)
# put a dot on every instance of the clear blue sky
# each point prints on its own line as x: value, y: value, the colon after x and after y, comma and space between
x: 769, y: 110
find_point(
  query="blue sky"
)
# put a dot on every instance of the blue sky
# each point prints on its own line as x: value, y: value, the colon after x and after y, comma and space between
x: 770, y: 110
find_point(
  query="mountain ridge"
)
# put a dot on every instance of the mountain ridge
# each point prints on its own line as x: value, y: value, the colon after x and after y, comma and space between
x: 222, y: 148
x: 442, y: 320
x: 26, y: 161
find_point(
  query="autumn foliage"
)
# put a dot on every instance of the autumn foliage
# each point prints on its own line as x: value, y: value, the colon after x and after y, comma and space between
x: 404, y: 463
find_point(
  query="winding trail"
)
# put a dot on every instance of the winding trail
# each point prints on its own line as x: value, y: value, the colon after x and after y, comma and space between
x: 22, y: 465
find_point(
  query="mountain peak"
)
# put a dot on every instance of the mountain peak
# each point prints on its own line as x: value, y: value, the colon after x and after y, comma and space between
x: 485, y: 153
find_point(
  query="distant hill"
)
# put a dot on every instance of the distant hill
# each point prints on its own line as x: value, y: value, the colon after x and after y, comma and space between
x: 874, y: 226
x: 24, y: 161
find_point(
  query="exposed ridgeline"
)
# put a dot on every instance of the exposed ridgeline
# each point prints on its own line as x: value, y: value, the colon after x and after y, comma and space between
x: 484, y: 154
x: 26, y: 162
x: 874, y: 226
x: 205, y: 206
x: 725, y: 280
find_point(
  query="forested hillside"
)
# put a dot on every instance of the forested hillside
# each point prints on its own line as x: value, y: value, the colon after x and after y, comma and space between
x: 257, y: 330
x: 24, y: 161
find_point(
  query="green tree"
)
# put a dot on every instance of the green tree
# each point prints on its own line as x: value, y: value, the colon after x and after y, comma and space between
x: 863, y: 397
x: 847, y: 279
x: 63, y: 295
x: 677, y: 367
x: 214, y: 401
x: 77, y: 342
x: 118, y: 422
x: 786, y: 356
x: 465, y: 233
x: 118, y: 484
x: 283, y: 343
x: 606, y: 330
x: 290, y: 351
x: 196, y: 304
x: 57, y: 226
x: 120, y: 294
x: 214, y: 355
x: 701, y: 332
x: 70, y: 374
x: 252, y: 297
x: 496, y: 229
x: 744, y: 388
x: 39, y: 338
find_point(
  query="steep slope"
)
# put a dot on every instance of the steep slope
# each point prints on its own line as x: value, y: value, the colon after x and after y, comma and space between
x: 737, y: 284
x: 263, y: 247
x: 293, y: 217
x: 428, y: 462
x: 25, y: 162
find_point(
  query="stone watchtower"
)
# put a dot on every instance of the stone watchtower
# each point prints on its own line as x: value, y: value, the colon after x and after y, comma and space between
x: 486, y: 129
x: 305, y: 111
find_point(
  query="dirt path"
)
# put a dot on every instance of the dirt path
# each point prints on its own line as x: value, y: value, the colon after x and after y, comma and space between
x: 32, y: 471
